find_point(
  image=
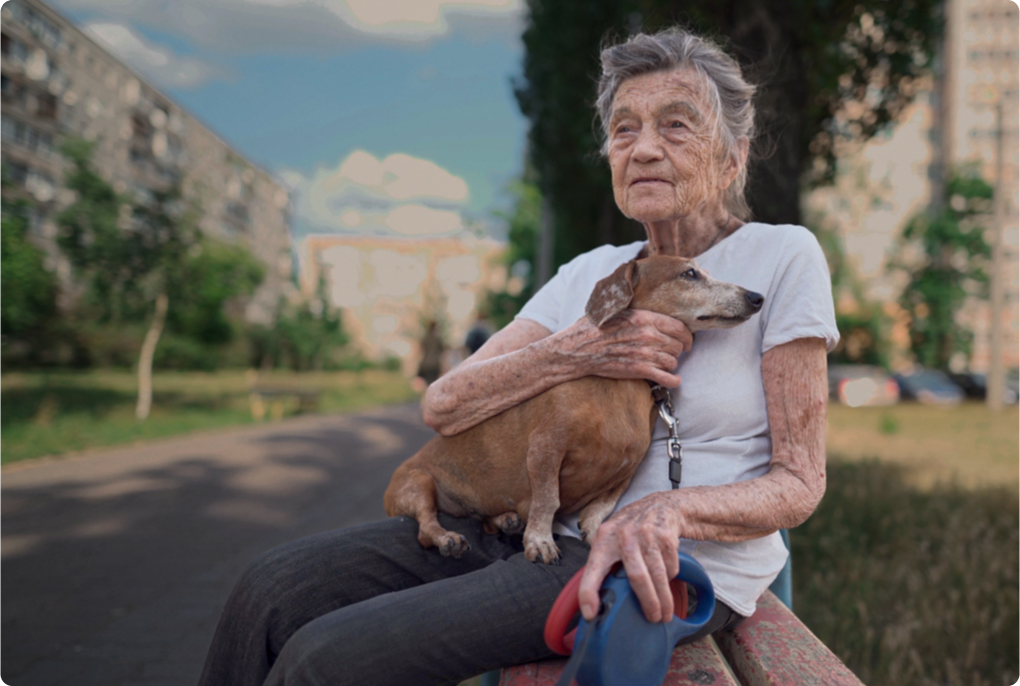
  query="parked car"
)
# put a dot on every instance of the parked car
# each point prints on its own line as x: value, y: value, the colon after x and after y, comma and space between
x: 861, y: 384
x: 975, y: 386
x: 929, y: 386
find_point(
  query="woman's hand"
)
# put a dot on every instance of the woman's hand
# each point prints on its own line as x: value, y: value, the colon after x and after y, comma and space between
x: 645, y: 537
x: 637, y: 344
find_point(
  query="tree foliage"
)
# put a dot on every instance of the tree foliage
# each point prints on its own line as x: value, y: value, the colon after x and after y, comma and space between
x: 523, y: 223
x: 125, y: 253
x: 950, y: 256
x: 305, y: 336
x: 28, y: 306
x: 92, y: 240
x: 827, y: 69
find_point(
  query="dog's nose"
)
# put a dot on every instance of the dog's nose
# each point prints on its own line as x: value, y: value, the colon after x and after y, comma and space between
x: 756, y: 300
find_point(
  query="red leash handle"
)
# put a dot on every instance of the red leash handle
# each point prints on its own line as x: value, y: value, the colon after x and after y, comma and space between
x: 567, y: 605
x: 563, y: 610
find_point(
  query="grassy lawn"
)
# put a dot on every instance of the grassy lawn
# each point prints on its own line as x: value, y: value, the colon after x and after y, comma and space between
x: 908, y: 570
x: 55, y: 413
x: 965, y: 445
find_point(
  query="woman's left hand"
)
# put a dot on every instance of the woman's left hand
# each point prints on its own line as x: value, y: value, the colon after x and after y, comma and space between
x: 644, y: 536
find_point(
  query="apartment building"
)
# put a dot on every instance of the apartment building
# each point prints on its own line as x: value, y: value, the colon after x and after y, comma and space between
x: 888, y: 180
x: 389, y: 286
x: 57, y: 81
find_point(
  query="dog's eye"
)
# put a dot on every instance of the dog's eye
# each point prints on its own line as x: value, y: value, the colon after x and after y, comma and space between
x: 691, y: 274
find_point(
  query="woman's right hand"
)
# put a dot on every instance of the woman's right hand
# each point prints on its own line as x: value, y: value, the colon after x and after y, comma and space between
x: 636, y: 344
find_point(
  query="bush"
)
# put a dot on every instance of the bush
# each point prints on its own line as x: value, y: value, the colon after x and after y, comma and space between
x: 182, y: 353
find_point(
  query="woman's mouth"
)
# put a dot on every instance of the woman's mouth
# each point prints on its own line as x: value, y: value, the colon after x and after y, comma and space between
x: 648, y: 182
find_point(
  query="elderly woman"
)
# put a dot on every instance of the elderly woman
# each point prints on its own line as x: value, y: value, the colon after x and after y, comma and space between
x: 369, y: 605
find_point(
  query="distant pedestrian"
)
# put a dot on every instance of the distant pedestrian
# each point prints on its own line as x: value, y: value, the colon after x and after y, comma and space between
x: 432, y: 348
x: 478, y: 334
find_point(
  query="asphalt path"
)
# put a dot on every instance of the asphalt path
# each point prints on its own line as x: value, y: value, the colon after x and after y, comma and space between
x: 116, y: 563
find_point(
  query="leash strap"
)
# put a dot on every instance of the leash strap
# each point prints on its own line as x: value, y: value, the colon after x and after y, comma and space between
x: 608, y: 599
x: 676, y: 453
x: 574, y: 663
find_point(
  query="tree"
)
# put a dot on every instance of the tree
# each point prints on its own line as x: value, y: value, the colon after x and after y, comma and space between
x: 91, y: 238
x: 29, y: 303
x: 303, y: 337
x: 950, y: 253
x: 828, y: 69
x: 148, y: 259
x: 520, y: 258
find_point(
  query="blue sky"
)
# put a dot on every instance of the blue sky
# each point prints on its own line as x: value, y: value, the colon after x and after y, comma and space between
x: 297, y: 86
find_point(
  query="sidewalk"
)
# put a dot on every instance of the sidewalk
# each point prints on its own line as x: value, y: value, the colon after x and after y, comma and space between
x: 115, y: 564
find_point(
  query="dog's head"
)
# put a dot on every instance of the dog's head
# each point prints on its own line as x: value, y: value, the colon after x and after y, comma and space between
x: 674, y: 286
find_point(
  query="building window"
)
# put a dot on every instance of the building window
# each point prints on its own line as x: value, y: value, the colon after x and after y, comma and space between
x: 238, y: 213
x: 21, y: 133
x: 15, y: 172
x: 13, y: 50
x: 39, y: 26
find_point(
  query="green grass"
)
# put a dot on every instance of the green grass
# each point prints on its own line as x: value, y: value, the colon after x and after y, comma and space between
x: 908, y: 570
x: 967, y: 445
x: 912, y: 586
x: 57, y: 413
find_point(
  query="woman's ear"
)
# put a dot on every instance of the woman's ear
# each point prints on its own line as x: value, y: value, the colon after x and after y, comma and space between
x: 736, y: 161
x: 612, y: 295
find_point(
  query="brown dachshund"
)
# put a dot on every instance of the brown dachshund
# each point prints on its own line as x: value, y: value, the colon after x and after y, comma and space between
x: 573, y: 448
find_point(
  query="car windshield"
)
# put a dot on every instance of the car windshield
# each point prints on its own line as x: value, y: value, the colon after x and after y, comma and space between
x: 931, y: 380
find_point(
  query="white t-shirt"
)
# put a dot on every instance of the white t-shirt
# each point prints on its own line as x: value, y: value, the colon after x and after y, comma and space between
x: 723, y: 423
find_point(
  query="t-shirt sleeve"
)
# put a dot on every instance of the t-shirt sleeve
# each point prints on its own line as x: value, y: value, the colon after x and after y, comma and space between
x: 799, y: 302
x: 545, y: 306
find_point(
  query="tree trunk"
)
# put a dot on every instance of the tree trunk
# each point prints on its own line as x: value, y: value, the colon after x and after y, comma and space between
x: 145, y: 359
x: 774, y: 181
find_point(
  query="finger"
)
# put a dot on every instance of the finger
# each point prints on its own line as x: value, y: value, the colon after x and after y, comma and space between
x: 642, y: 583
x: 660, y: 581
x: 665, y: 361
x: 660, y: 377
x: 595, y: 572
x: 674, y: 328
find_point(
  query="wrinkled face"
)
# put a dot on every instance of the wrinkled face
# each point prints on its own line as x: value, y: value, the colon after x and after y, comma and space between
x: 678, y: 287
x: 664, y: 148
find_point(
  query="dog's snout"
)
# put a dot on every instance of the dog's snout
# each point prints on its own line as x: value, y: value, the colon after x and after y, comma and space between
x: 756, y: 300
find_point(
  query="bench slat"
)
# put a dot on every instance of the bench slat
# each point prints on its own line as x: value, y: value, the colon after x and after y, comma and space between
x: 774, y: 648
x: 692, y: 665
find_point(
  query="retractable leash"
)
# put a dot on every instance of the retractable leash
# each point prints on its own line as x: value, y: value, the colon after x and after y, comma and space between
x: 619, y: 647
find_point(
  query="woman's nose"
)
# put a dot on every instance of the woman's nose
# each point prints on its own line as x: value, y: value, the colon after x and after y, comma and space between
x: 647, y: 147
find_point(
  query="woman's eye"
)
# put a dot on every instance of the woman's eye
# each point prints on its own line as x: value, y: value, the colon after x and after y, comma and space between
x: 676, y: 125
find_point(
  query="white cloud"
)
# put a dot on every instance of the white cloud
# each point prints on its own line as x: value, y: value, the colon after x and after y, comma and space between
x: 159, y: 63
x: 398, y: 194
x: 258, y: 25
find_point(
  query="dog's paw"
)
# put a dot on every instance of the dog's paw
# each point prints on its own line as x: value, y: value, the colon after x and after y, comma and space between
x: 541, y: 550
x: 453, y: 545
x: 510, y: 523
x: 588, y: 535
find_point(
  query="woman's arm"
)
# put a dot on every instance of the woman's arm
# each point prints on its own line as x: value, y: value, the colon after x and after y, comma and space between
x: 644, y: 535
x: 524, y: 359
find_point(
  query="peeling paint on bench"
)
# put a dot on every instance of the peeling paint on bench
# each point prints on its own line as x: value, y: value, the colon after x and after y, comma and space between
x: 774, y: 648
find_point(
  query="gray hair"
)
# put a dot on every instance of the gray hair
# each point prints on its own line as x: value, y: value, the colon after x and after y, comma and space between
x: 731, y: 96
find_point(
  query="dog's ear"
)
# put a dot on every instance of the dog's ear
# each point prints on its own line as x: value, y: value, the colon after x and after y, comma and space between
x: 612, y: 295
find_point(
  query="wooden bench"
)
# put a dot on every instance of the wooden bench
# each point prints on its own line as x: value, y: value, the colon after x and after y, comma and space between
x: 770, y: 648
x: 271, y: 399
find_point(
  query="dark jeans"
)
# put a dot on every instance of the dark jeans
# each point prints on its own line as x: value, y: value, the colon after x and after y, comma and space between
x: 367, y: 605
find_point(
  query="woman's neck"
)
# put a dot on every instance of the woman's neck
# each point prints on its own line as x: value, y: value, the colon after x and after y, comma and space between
x: 690, y: 236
